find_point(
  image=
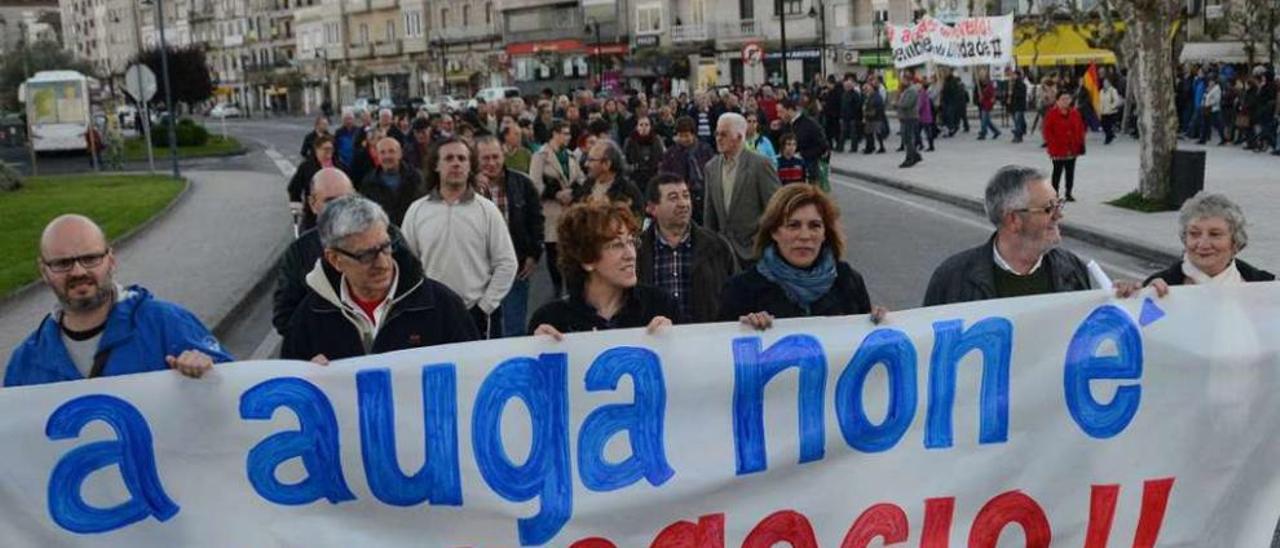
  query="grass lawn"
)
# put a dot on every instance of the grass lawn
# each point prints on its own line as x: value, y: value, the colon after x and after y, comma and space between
x: 117, y: 202
x: 135, y: 149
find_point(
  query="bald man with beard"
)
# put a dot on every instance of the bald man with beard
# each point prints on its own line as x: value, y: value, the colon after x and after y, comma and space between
x: 100, y: 328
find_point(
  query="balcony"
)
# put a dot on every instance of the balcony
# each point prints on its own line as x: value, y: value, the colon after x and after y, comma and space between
x: 355, y: 6
x: 415, y: 45
x: 738, y: 31
x: 334, y: 53
x: 387, y: 49
x: 466, y: 34
x: 689, y: 33
x: 863, y: 36
x: 362, y: 51
x: 383, y: 4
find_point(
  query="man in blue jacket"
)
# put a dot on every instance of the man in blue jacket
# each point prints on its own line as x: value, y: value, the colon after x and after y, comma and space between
x: 102, y: 329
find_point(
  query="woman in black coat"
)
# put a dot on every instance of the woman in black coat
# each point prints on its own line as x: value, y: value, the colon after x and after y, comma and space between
x: 300, y: 185
x: 1212, y: 230
x: 644, y: 152
x: 597, y: 244
x: 798, y: 272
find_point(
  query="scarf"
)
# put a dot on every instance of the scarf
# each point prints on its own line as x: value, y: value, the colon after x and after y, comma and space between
x: 1228, y: 276
x: 803, y: 286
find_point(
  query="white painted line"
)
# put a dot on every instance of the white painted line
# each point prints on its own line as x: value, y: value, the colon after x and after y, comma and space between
x: 862, y: 187
x: 266, y: 348
x: 285, y: 166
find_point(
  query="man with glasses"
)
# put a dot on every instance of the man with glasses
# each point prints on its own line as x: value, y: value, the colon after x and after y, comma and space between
x: 739, y: 185
x: 461, y: 237
x: 102, y: 329
x: 363, y: 298
x: 607, y: 179
x: 1022, y: 257
x: 300, y: 258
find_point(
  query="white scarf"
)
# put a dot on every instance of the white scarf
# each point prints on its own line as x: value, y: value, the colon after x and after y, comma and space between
x: 1229, y: 275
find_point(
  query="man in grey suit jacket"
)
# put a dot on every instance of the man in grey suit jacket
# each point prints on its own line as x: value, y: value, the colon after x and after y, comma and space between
x: 739, y: 185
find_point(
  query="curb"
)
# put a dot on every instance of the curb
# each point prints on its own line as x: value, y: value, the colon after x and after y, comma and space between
x: 1091, y: 235
x: 259, y: 289
x: 124, y: 239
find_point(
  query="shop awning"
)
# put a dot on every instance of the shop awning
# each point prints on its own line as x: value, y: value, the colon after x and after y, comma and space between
x: 1062, y: 46
x: 1221, y: 52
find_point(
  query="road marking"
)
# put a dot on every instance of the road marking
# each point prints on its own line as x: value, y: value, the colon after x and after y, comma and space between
x: 960, y: 219
x: 285, y: 166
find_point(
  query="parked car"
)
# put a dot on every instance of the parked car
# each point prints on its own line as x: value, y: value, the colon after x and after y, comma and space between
x: 367, y: 104
x: 493, y: 94
x: 127, y: 116
x: 224, y: 110
x: 443, y: 103
x: 414, y: 104
x: 386, y: 103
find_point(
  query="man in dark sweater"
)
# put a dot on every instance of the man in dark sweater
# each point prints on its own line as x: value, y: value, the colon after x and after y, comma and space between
x: 1022, y: 257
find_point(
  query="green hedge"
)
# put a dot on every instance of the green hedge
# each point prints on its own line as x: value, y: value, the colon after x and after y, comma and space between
x: 189, y: 134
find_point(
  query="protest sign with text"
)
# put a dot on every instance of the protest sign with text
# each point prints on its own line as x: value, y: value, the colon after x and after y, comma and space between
x: 970, y: 41
x: 1071, y: 417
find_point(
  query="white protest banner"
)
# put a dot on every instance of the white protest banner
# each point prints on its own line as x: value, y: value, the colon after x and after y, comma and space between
x: 1071, y: 417
x: 970, y: 41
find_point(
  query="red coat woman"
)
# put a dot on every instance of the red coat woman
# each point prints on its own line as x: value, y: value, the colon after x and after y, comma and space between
x: 1064, y: 138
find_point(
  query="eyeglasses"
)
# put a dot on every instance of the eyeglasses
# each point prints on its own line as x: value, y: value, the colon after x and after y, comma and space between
x: 1055, y: 206
x: 368, y: 256
x: 621, y: 244
x: 91, y: 260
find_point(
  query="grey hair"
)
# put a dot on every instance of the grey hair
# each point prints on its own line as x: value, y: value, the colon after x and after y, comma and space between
x: 612, y: 153
x: 347, y: 216
x: 735, y: 121
x: 1007, y: 191
x: 386, y: 111
x: 1204, y: 206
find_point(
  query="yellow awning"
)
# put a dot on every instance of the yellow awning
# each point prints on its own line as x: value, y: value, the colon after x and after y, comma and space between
x: 1063, y: 46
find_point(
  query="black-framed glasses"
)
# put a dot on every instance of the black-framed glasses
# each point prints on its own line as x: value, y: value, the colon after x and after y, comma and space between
x: 90, y: 260
x: 368, y: 256
x: 1055, y: 206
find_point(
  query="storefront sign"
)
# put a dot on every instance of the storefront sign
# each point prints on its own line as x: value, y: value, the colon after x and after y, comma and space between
x: 797, y: 53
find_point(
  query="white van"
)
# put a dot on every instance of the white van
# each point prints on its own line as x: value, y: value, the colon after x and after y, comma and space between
x: 492, y: 94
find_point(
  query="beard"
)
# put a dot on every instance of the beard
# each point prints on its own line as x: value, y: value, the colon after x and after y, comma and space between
x: 102, y: 294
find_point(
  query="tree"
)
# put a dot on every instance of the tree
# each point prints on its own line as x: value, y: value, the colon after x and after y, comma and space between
x: 1251, y: 22
x: 188, y: 69
x: 1151, y: 29
x: 26, y: 61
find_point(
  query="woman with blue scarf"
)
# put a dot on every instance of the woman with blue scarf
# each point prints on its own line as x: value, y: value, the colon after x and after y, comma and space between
x: 799, y: 272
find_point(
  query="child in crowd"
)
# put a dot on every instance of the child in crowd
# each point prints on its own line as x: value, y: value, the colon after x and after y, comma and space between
x: 790, y: 164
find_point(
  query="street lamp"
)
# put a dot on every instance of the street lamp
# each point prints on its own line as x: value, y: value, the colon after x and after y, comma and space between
x: 168, y: 93
x: 593, y: 26
x: 821, y: 14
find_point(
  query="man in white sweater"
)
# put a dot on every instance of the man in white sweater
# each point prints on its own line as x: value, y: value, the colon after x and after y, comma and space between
x: 461, y: 237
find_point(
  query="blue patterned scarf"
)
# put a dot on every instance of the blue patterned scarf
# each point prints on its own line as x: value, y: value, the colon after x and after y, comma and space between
x: 803, y: 286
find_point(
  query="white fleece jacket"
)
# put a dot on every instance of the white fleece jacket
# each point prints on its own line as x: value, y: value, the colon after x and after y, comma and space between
x: 465, y: 245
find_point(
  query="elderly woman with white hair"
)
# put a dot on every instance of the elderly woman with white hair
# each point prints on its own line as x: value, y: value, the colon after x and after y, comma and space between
x: 1212, y: 229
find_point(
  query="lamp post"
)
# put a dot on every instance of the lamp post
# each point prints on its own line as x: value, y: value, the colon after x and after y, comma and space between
x: 820, y: 12
x: 593, y: 27
x: 168, y: 89
x: 782, y: 28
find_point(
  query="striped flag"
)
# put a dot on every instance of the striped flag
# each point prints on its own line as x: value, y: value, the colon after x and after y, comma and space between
x: 1093, y: 84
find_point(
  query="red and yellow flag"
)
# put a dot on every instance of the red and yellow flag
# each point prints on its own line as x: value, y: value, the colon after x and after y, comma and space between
x: 1093, y: 84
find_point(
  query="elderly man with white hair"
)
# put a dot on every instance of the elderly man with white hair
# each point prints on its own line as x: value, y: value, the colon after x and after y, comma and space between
x: 739, y: 183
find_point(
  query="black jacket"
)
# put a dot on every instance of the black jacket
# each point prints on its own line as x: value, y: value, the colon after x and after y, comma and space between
x: 1018, y: 96
x: 622, y: 190
x: 751, y: 292
x: 970, y: 275
x: 811, y: 143
x: 524, y: 215
x: 299, y: 259
x: 713, y: 265
x: 424, y: 313
x: 394, y: 201
x: 851, y: 105
x: 308, y: 144
x: 573, y: 315
x: 1174, y: 276
x: 643, y: 158
x: 300, y: 187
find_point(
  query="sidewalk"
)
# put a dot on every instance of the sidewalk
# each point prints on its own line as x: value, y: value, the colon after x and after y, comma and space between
x: 206, y: 253
x: 958, y: 172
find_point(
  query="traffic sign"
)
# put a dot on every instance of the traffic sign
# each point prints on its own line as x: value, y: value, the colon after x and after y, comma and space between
x: 752, y: 54
x: 140, y: 83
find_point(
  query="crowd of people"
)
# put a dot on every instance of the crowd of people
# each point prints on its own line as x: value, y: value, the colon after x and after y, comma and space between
x: 420, y: 229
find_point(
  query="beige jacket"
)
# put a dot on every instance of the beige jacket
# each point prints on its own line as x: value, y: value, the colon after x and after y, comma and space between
x: 544, y: 168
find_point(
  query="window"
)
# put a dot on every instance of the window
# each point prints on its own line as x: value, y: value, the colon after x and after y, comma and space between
x: 649, y: 19
x: 488, y: 13
x: 413, y: 24
x: 466, y: 15
x: 364, y: 33
x: 331, y: 35
x: 444, y: 18
x: 391, y: 31
x: 792, y: 7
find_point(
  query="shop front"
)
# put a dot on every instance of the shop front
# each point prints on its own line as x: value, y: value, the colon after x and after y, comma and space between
x: 562, y: 65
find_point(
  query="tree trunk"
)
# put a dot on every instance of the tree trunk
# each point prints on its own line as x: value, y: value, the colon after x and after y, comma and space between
x: 1149, y: 22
